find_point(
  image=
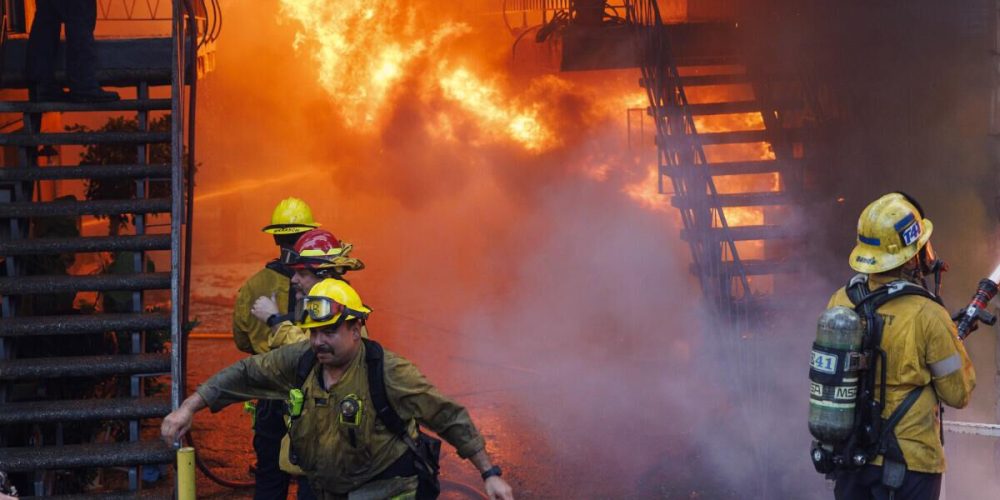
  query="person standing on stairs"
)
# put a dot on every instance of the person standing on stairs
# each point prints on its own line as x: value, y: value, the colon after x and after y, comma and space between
x: 80, y: 19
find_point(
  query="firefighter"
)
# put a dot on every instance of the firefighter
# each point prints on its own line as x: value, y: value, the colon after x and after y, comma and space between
x: 923, y: 352
x: 334, y: 434
x: 291, y: 218
x: 317, y: 255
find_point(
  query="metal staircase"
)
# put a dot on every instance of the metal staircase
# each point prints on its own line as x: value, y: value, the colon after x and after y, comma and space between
x: 743, y: 237
x: 711, y: 191
x: 41, y: 409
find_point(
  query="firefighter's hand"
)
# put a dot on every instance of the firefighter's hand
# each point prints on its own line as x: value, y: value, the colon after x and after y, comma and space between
x: 498, y: 489
x: 178, y: 422
x: 175, y: 425
x: 264, y: 307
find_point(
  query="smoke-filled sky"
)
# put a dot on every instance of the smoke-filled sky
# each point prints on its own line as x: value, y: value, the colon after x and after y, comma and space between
x: 506, y: 225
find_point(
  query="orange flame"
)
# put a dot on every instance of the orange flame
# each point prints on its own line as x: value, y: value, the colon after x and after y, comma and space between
x: 366, y: 49
x: 483, y: 100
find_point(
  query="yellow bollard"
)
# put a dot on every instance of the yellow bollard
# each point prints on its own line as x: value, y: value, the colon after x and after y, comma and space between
x: 185, y: 473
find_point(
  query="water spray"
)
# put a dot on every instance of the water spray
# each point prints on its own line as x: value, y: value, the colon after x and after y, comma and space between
x: 976, y: 312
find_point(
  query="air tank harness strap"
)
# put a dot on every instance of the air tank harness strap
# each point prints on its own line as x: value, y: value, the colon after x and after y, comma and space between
x: 893, y: 462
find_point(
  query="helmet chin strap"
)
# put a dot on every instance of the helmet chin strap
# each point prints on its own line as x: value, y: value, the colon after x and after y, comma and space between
x: 927, y: 266
x: 937, y: 266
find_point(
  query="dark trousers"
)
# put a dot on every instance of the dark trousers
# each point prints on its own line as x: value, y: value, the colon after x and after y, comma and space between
x: 80, y: 18
x: 270, y: 482
x: 866, y: 484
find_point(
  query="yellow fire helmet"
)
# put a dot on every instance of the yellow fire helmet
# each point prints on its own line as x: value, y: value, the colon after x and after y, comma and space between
x: 330, y: 302
x: 291, y: 216
x: 890, y: 232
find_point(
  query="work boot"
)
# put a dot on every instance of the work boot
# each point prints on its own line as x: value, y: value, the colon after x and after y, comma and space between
x: 48, y: 93
x: 96, y: 94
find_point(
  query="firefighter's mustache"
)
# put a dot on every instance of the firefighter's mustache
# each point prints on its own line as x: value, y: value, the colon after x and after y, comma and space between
x: 323, y: 348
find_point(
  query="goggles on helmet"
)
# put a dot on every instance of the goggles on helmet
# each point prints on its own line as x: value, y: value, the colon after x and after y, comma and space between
x: 288, y: 256
x: 320, y: 309
x: 291, y: 258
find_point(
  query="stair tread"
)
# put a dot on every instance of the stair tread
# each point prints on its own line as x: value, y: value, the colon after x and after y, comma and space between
x: 48, y: 107
x: 21, y: 285
x: 734, y: 137
x: 119, y: 61
x: 82, y: 323
x: 736, y: 167
x: 31, y: 458
x: 758, y: 267
x: 724, y: 108
x: 714, y: 138
x: 736, y: 199
x: 750, y: 232
x: 734, y: 107
x: 111, y: 495
x: 716, y: 79
x: 158, y: 171
x: 66, y: 138
x: 88, y: 207
x: 84, y: 409
x: 768, y: 266
x: 85, y: 244
x: 84, y: 366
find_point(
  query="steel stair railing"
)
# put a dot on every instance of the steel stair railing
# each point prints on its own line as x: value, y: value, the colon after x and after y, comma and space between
x: 682, y: 158
x: 46, y: 415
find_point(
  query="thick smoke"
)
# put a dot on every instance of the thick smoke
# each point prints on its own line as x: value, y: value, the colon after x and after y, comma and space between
x: 527, y: 283
x: 903, y: 93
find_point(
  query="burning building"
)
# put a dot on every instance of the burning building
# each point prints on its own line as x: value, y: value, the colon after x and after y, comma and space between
x: 609, y: 227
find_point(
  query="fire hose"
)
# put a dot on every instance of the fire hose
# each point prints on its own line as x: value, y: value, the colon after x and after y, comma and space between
x: 208, y: 472
x: 968, y: 318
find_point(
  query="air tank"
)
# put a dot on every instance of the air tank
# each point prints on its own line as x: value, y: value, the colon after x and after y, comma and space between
x: 833, y: 374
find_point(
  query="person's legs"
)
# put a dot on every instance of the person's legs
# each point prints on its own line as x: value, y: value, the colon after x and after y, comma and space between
x: 43, y: 44
x: 80, y: 17
x: 270, y: 481
x: 916, y: 486
x: 866, y: 484
x: 858, y: 485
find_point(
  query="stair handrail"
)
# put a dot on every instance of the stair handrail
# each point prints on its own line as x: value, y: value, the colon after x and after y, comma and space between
x: 650, y: 35
x: 184, y: 43
x: 213, y: 24
x: 557, y: 8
